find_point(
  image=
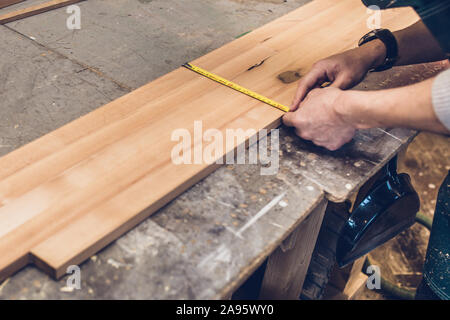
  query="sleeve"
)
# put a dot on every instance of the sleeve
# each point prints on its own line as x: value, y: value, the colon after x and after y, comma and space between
x: 441, y: 97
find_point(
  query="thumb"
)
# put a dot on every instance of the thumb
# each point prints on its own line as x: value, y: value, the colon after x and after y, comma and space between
x: 301, y: 93
x: 314, y: 77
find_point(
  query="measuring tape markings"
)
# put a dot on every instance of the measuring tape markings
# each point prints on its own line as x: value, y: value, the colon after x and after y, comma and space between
x: 235, y: 86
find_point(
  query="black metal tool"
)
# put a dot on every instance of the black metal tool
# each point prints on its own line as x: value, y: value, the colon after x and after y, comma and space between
x: 389, y: 207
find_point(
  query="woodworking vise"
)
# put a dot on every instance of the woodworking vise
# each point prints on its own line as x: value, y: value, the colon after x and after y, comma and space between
x: 434, y: 13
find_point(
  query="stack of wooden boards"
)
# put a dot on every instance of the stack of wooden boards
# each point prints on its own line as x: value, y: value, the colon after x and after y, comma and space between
x: 31, y: 10
x: 5, y: 3
x: 70, y: 193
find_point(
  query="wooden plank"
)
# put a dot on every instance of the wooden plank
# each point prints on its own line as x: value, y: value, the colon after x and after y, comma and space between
x: 356, y: 280
x: 288, y: 265
x: 71, y: 192
x: 346, y: 282
x: 5, y: 3
x: 33, y: 10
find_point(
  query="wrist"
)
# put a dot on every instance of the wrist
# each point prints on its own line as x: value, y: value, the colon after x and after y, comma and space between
x: 375, y: 53
x: 353, y: 108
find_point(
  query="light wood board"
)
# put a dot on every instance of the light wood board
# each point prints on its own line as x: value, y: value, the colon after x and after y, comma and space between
x: 5, y: 3
x: 68, y: 194
x: 33, y: 10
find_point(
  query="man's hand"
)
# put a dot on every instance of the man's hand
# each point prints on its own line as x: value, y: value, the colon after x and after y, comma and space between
x: 318, y: 121
x: 313, y: 111
x: 329, y: 117
x: 343, y: 70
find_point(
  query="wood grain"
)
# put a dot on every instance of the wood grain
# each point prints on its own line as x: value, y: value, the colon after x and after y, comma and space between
x: 70, y: 193
x: 33, y: 10
x: 287, y: 267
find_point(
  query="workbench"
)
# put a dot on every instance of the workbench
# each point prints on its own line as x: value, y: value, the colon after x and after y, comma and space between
x: 209, y: 240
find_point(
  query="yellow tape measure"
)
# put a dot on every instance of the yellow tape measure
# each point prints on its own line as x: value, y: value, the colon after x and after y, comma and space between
x: 235, y: 86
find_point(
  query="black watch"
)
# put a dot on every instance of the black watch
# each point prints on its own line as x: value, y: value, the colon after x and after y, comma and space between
x: 389, y: 41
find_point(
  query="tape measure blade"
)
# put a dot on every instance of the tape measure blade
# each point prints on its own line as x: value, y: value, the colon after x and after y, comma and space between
x: 235, y: 86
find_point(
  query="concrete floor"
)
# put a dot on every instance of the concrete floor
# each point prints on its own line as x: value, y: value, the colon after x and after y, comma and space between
x: 50, y: 75
x: 58, y: 74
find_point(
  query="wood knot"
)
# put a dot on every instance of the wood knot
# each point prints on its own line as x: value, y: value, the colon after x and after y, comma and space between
x: 289, y: 76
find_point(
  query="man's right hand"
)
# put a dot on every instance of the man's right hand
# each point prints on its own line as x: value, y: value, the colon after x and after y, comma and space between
x: 344, y: 70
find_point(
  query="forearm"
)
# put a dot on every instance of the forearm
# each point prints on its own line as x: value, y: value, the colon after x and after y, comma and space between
x: 415, y: 45
x: 409, y: 107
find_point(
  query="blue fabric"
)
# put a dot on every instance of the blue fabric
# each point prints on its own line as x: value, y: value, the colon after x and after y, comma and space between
x: 437, y: 264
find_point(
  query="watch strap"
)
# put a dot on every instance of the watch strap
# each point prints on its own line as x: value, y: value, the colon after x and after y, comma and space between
x: 390, y: 43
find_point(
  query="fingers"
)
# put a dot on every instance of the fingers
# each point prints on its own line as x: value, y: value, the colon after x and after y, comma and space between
x: 310, y: 81
x: 341, y: 82
x: 289, y: 119
x: 334, y: 144
x: 337, y: 83
x: 300, y: 94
